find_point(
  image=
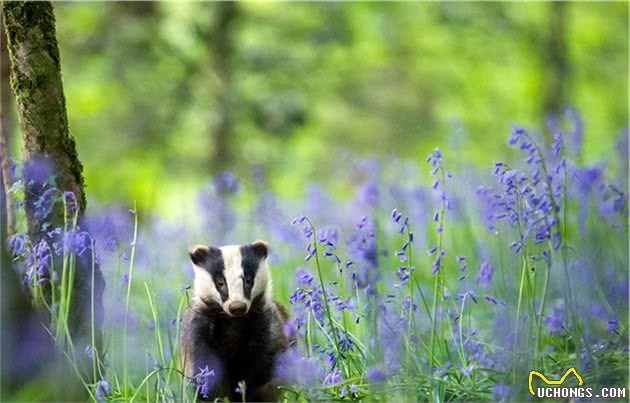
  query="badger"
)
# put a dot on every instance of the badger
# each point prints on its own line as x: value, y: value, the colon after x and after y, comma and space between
x: 232, y: 330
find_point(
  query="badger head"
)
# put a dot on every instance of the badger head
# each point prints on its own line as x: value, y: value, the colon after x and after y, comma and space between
x: 231, y: 276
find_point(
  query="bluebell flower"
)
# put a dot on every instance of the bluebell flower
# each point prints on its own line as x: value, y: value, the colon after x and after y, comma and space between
x: 396, y: 216
x: 294, y: 368
x: 468, y: 369
x: 613, y: 326
x: 441, y: 372
x: 436, y: 264
x: 42, y: 257
x: 16, y: 244
x: 203, y: 380
x: 304, y: 278
x: 557, y: 142
x: 298, y: 220
x: 368, y: 194
x: 484, y: 276
x: 375, y: 375
x: 333, y: 377
x: 555, y: 320
x: 345, y: 342
x: 501, y: 392
x: 226, y: 183
x: 102, y: 390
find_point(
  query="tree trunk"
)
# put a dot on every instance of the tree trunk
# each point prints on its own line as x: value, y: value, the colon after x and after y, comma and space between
x: 7, y: 212
x: 222, y: 38
x: 556, y: 61
x: 47, y: 142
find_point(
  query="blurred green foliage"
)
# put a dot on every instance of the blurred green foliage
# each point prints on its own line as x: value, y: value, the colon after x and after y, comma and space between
x: 310, y: 80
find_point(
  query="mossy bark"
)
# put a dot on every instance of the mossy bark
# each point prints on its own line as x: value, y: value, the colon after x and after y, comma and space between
x: 38, y: 91
x: 7, y: 219
x: 41, y: 109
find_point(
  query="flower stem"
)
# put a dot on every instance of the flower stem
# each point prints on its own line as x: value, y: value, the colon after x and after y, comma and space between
x: 129, y: 280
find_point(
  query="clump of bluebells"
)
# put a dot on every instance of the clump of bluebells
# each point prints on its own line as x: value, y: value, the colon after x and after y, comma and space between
x: 517, y: 284
x: 398, y: 293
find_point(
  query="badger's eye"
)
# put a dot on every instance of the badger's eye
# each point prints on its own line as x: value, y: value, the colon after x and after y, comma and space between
x: 248, y: 280
x: 219, y: 282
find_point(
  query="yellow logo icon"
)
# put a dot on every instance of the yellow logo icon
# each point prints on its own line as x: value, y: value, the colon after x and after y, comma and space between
x: 571, y: 370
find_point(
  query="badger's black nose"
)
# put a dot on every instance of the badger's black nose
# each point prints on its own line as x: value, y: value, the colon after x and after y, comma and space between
x: 237, y: 308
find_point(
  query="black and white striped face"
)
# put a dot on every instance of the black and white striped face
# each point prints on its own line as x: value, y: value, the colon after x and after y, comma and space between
x: 231, y: 276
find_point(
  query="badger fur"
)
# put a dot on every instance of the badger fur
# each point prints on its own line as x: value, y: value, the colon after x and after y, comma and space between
x: 232, y: 327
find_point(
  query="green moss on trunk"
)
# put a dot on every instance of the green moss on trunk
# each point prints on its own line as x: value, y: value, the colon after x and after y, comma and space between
x: 38, y: 88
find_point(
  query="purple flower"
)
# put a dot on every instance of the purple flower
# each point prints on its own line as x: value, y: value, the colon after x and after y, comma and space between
x: 468, y: 369
x: 293, y: 368
x: 557, y: 142
x: 493, y: 300
x: 73, y: 242
x: 516, y: 133
x: 333, y: 377
x: 501, y: 392
x: 42, y: 257
x: 442, y: 372
x: 16, y: 244
x: 375, y: 375
x: 396, y: 216
x: 484, y: 276
x: 436, y: 264
x: 102, y: 390
x: 327, y: 236
x: 555, y: 320
x: 298, y: 220
x: 304, y: 278
x: 202, y: 380
x: 345, y: 343
x: 368, y: 194
x: 226, y: 183
x: 613, y: 326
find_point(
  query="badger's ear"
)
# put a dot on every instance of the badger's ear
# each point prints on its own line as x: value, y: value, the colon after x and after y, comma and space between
x: 260, y: 248
x: 200, y: 254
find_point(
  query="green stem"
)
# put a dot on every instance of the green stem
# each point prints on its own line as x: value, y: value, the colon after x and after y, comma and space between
x: 541, y: 312
x: 570, y: 302
x: 92, y: 310
x: 129, y: 280
x: 438, y: 282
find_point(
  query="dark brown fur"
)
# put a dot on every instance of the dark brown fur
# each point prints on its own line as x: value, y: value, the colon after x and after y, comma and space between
x: 237, y: 349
